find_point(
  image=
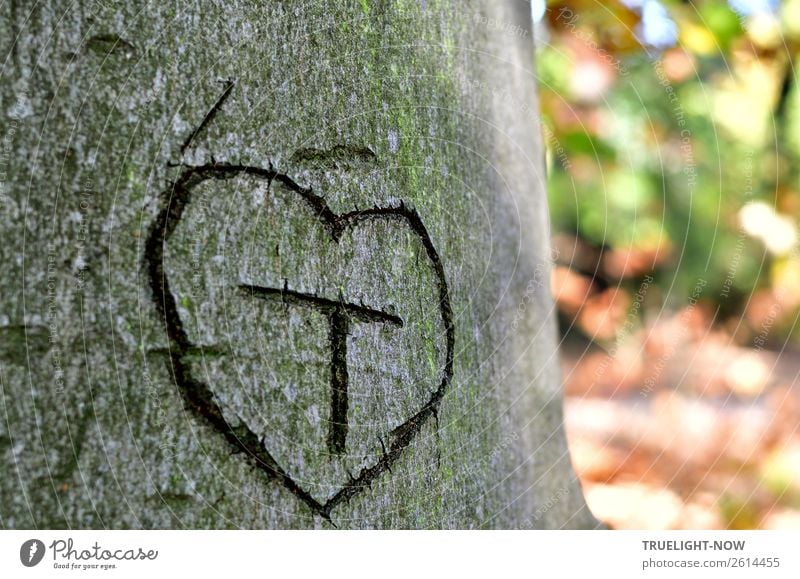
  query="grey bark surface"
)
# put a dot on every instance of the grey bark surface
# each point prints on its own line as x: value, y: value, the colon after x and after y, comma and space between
x: 276, y: 265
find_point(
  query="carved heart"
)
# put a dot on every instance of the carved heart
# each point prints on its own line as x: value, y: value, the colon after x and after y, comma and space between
x: 205, y: 403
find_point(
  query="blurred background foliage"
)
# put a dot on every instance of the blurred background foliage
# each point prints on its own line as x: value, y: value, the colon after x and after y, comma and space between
x: 673, y: 158
x: 673, y: 133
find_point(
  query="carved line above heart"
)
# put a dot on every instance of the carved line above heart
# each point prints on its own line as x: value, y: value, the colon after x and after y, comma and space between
x: 200, y: 398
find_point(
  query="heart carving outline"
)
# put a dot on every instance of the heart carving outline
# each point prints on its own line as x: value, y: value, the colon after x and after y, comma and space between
x: 200, y: 398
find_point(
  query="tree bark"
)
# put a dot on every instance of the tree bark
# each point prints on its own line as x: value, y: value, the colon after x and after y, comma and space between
x: 276, y: 264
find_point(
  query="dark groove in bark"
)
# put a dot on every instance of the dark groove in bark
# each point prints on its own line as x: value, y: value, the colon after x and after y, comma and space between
x: 324, y: 305
x: 337, y: 433
x: 209, y: 115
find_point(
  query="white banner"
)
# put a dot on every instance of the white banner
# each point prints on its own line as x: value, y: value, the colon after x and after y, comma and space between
x: 401, y: 554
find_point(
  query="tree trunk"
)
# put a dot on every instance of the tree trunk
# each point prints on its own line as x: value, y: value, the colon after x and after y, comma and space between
x: 276, y: 264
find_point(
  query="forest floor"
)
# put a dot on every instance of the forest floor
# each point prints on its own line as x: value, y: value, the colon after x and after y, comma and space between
x: 683, y: 429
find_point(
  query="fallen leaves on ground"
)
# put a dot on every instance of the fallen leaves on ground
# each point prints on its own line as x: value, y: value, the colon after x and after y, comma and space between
x: 685, y: 430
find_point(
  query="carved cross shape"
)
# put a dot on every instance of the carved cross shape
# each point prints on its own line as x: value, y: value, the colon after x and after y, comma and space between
x: 339, y: 315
